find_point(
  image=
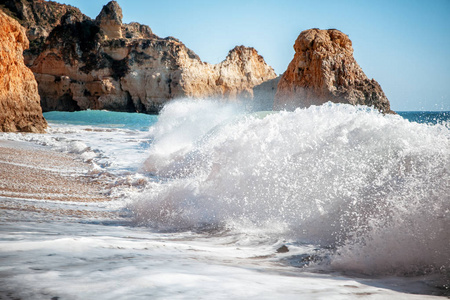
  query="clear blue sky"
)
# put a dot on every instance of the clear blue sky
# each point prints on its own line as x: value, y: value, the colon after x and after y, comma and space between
x: 403, y: 44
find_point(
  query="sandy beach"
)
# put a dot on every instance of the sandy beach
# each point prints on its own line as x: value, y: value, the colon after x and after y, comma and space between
x: 31, y: 176
x: 32, y: 172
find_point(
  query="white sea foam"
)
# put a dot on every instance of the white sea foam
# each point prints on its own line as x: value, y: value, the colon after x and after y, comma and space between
x: 343, y: 188
x: 115, y: 150
x: 373, y: 188
x: 85, y: 261
x: 181, y: 126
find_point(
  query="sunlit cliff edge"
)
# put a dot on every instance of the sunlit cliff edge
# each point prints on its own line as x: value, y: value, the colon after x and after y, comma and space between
x: 323, y: 69
x: 19, y: 98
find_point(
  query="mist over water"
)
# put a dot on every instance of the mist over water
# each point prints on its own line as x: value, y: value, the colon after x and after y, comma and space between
x: 372, y: 188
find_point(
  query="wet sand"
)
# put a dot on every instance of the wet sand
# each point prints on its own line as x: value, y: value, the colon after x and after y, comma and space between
x: 33, y: 172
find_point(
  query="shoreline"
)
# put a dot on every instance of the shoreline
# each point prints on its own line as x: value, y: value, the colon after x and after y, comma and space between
x: 36, y: 179
x: 50, y: 247
x: 35, y: 172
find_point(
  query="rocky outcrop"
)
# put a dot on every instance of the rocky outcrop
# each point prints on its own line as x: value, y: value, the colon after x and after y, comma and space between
x: 324, y: 69
x: 19, y: 98
x: 105, y: 64
x: 110, y: 21
x: 242, y: 69
x: 39, y: 18
x: 135, y: 30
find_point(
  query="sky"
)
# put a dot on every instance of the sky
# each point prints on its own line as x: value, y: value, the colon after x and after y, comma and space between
x: 403, y: 44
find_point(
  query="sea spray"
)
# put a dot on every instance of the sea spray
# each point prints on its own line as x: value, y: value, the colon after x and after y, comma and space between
x: 372, y: 188
x: 181, y: 125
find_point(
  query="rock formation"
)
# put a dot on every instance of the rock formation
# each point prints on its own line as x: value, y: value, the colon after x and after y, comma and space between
x: 39, y: 18
x: 105, y: 64
x: 110, y: 21
x: 19, y: 98
x: 324, y: 69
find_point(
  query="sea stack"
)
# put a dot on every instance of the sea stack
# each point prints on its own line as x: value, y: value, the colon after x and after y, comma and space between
x: 19, y: 98
x: 324, y: 69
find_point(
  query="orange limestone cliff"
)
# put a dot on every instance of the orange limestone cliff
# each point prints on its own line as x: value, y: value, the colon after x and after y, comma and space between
x: 106, y: 64
x: 19, y: 99
x: 324, y: 69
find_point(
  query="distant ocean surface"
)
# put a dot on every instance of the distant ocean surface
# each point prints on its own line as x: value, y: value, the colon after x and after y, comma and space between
x: 321, y: 193
x: 102, y: 118
x: 136, y: 121
x: 427, y: 117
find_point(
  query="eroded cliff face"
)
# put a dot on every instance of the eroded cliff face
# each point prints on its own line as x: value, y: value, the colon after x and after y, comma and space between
x: 19, y: 98
x: 39, y: 17
x: 105, y: 64
x: 235, y: 77
x: 324, y: 69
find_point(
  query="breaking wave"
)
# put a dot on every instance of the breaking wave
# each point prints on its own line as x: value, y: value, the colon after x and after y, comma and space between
x: 371, y: 189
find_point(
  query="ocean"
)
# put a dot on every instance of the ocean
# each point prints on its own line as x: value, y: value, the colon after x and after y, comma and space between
x: 211, y: 201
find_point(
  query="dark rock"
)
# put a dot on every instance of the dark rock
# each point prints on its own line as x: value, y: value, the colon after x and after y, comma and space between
x: 283, y: 249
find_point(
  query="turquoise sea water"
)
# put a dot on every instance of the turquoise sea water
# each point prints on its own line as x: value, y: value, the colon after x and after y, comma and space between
x: 141, y: 122
x: 103, y: 118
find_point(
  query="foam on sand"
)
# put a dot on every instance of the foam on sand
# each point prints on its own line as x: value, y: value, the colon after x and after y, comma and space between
x: 33, y: 172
